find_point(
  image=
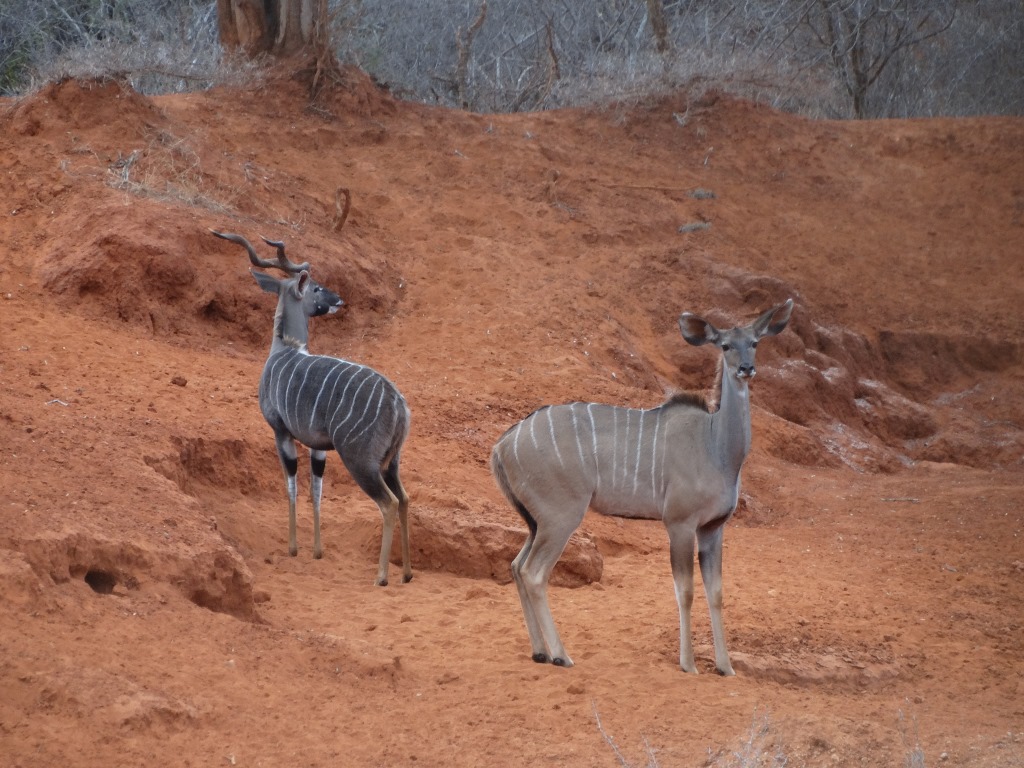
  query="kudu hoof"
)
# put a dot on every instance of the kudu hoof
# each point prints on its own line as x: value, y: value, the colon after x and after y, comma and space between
x: 407, y: 579
x: 540, y: 658
x: 561, y: 662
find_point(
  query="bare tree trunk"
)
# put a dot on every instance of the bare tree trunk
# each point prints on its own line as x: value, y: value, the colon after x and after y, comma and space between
x: 245, y: 25
x: 656, y: 15
x: 464, y: 42
x: 280, y: 27
x: 296, y: 19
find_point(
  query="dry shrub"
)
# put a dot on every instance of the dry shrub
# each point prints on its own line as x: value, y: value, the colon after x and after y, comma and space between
x: 533, y: 54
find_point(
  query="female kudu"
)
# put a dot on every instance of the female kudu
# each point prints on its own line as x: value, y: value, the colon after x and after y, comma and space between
x: 679, y: 462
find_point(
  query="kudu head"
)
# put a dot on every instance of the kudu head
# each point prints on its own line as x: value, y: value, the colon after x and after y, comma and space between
x: 737, y: 344
x: 300, y: 297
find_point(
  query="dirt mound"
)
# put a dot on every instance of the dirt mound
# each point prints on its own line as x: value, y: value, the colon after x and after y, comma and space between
x: 198, y: 463
x: 485, y: 550
x: 84, y: 105
x: 216, y: 579
x: 170, y: 284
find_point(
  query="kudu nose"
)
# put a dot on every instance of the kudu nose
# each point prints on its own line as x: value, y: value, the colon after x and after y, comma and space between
x: 746, y: 372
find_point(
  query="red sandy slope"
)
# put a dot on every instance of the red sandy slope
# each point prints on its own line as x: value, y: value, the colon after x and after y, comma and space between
x: 874, y: 573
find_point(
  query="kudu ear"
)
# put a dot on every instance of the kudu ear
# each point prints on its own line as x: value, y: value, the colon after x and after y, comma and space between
x: 266, y: 282
x: 774, y: 320
x: 697, y: 330
x: 301, y: 284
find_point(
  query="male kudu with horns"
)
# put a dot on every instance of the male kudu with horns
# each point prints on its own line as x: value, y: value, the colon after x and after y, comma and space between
x: 324, y: 403
x: 679, y: 462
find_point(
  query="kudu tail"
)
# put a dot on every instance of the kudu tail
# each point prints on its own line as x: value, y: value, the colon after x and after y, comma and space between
x: 398, y: 434
x: 501, y: 477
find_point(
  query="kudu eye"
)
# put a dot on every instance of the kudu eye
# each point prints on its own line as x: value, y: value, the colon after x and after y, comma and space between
x: 725, y: 347
x: 754, y: 344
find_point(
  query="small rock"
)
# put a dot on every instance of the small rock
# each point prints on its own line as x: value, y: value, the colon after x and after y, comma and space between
x: 179, y: 381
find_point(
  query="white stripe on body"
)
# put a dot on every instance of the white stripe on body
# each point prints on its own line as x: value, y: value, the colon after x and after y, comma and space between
x: 615, y: 443
x: 625, y: 449
x: 554, y: 439
x: 654, y: 449
x: 351, y: 409
x: 576, y: 432
x: 593, y: 438
x: 307, y: 364
x: 277, y: 392
x: 312, y: 413
x: 515, y: 444
x: 341, y: 400
x: 639, y: 445
x: 370, y: 422
x: 271, y: 383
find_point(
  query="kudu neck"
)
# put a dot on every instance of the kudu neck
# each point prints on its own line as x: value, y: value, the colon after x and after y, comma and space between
x: 730, y: 424
x: 291, y: 326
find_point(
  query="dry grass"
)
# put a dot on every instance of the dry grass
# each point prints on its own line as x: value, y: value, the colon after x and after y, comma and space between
x: 758, y: 749
x: 915, y: 754
x: 531, y: 55
x: 652, y: 760
x: 169, y: 169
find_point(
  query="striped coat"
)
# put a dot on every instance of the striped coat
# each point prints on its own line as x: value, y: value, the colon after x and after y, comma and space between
x: 619, y: 461
x: 326, y: 402
x: 679, y: 462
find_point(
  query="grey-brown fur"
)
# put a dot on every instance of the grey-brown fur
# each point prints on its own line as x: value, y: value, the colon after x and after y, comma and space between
x: 679, y: 462
x: 328, y: 403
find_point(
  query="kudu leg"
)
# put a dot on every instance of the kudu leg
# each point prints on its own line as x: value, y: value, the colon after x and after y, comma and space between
x: 395, y: 484
x: 290, y: 464
x: 371, y: 480
x: 317, y: 462
x: 389, y: 512
x: 403, y: 527
x: 535, y: 571
x: 681, y: 540
x: 539, y: 649
x: 709, y: 548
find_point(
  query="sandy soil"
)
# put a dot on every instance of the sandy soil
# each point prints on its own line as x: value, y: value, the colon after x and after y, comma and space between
x: 874, y: 573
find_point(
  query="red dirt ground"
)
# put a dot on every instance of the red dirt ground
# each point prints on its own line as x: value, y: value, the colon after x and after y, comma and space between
x: 874, y: 573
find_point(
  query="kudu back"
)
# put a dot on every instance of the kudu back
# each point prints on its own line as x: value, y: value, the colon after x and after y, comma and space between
x: 328, y: 403
x: 679, y: 462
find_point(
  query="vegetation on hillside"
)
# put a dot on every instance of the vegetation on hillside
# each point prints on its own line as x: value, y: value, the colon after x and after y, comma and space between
x: 823, y: 58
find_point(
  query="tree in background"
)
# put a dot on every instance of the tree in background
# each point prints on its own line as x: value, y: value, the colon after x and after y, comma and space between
x: 821, y: 58
x: 659, y: 26
x: 862, y: 37
x: 279, y: 27
x: 154, y: 45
